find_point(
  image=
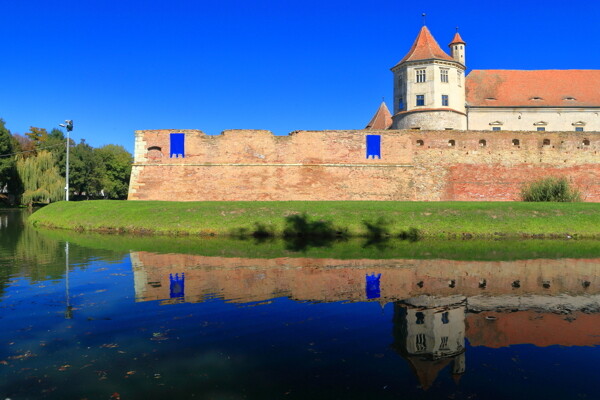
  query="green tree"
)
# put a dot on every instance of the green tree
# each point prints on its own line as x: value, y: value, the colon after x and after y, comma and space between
x: 40, y: 179
x: 56, y: 143
x: 86, y: 170
x: 7, y: 159
x: 117, y: 169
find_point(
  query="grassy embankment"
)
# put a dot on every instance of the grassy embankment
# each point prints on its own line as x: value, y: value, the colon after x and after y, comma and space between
x: 350, y: 219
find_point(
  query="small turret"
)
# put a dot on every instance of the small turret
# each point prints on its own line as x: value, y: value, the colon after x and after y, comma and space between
x: 457, y: 48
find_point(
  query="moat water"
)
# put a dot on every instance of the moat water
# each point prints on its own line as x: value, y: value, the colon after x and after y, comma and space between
x: 113, y: 317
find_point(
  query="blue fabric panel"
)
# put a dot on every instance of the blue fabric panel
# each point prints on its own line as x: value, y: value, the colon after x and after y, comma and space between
x: 374, y: 146
x: 177, y: 285
x: 372, y: 286
x: 177, y: 145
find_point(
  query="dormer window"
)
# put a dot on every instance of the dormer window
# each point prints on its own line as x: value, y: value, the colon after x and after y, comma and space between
x: 570, y: 98
x: 541, y: 126
x: 421, y: 76
x: 536, y: 98
x: 496, y: 125
x: 491, y: 99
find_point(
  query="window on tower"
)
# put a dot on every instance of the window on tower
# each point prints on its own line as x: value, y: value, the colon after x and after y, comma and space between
x: 444, y: 75
x: 401, y: 103
x: 421, y: 77
x: 445, y: 101
x: 420, y: 100
x: 459, y: 78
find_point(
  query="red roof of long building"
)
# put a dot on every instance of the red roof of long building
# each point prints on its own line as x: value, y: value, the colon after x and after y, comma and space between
x: 543, y: 88
x: 425, y: 48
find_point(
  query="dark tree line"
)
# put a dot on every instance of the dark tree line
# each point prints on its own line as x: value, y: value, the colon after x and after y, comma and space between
x: 33, y: 166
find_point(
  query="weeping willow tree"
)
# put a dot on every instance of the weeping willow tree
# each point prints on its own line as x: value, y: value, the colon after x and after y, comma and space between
x: 40, y: 178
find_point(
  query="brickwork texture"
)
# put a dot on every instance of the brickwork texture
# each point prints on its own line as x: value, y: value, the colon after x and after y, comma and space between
x: 333, y: 165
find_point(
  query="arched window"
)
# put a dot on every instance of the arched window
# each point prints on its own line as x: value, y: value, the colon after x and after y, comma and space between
x: 516, y: 142
x: 482, y: 143
x: 586, y: 142
x: 546, y: 142
x: 451, y: 143
x: 420, y: 143
x: 154, y: 153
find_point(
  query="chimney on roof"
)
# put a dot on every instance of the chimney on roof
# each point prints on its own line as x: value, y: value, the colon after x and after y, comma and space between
x: 457, y: 48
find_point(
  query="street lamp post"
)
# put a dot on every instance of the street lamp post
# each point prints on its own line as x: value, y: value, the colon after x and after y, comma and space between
x: 69, y: 126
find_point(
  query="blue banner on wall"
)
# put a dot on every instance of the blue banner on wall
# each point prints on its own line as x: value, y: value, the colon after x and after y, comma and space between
x: 374, y: 146
x: 177, y: 145
x: 372, y: 288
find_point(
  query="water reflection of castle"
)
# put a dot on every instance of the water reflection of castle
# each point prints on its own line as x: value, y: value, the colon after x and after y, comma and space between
x: 437, y: 303
x: 430, y: 333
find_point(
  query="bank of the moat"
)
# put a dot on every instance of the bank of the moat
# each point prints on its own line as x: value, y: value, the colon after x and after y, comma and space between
x: 328, y: 218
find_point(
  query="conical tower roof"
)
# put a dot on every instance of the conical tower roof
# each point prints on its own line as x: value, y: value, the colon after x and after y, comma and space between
x: 382, y: 118
x: 425, y: 48
x: 457, y: 39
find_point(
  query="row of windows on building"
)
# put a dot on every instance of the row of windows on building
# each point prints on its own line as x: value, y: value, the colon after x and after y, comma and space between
x: 420, y: 101
x: 539, y: 128
x: 421, y: 76
x: 483, y: 142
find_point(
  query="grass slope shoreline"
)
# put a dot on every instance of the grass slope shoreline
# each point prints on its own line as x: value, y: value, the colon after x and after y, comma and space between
x: 348, y: 218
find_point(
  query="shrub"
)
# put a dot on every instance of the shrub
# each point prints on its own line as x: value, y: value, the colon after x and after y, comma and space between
x: 550, y: 189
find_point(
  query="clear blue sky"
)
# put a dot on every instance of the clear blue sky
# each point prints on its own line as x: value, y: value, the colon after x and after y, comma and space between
x: 114, y: 66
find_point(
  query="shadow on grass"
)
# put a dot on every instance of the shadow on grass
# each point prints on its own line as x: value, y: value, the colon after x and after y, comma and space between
x: 301, y: 232
x: 378, y: 233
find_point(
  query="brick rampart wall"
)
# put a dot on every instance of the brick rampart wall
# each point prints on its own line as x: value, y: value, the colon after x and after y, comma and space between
x: 332, y: 165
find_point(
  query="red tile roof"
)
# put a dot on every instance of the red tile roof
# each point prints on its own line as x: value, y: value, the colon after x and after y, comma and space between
x: 425, y: 48
x: 382, y: 118
x: 545, y: 88
x: 457, y: 39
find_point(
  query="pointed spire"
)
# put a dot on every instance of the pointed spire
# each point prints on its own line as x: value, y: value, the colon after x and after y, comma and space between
x: 425, y: 47
x: 382, y: 118
x: 457, y: 39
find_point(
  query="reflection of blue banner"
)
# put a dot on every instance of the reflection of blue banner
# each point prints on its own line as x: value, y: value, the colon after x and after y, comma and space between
x: 177, y: 286
x: 374, y: 146
x: 372, y: 286
x: 177, y: 145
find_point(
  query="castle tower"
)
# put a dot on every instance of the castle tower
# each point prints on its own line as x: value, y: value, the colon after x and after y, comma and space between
x: 382, y: 118
x: 429, y: 87
x: 457, y: 48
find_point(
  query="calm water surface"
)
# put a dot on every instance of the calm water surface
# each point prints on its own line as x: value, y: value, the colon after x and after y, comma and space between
x: 87, y: 317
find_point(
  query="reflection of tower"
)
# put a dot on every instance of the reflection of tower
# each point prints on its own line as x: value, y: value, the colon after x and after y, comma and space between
x: 430, y: 333
x: 177, y: 285
x: 69, y: 309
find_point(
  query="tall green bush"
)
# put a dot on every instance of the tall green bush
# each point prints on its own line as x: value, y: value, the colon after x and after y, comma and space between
x: 550, y: 189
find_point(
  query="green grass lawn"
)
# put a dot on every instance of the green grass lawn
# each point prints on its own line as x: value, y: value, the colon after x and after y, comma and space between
x: 432, y: 219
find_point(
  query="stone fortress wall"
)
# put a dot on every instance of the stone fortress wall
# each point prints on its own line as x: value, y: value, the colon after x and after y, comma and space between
x: 332, y: 165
